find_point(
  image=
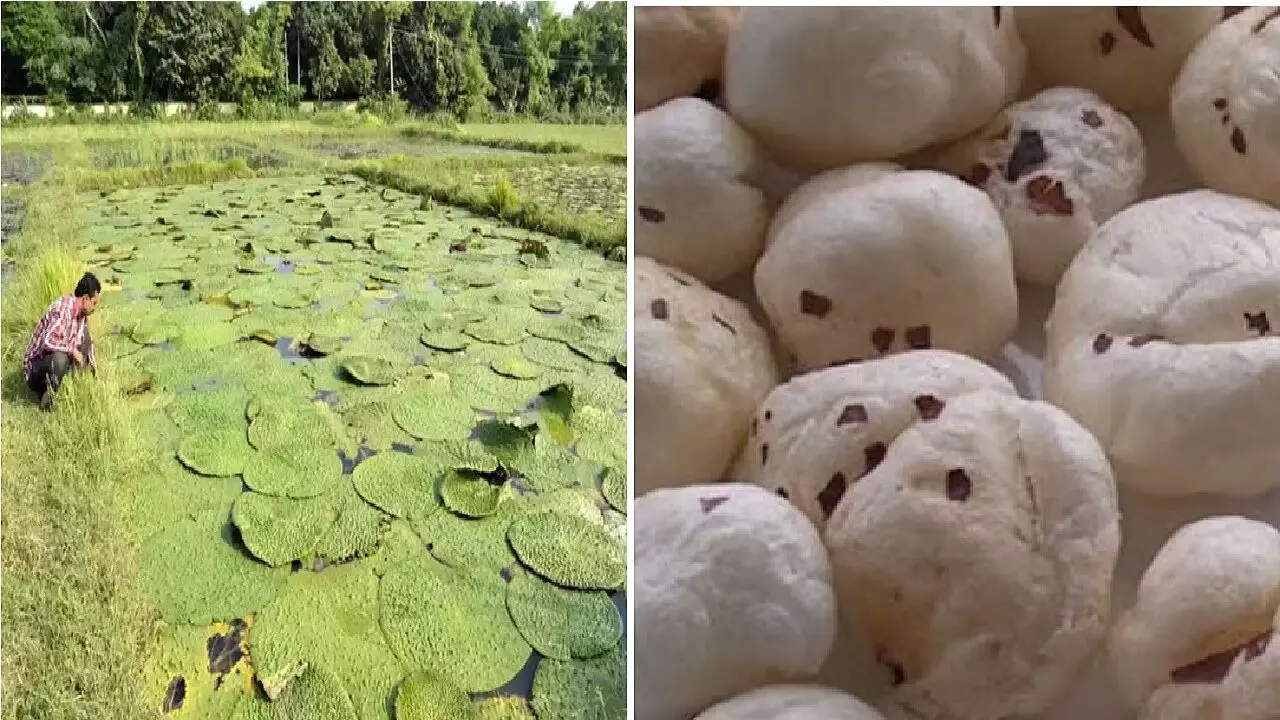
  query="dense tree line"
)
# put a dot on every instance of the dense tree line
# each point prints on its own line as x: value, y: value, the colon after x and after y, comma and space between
x: 455, y: 57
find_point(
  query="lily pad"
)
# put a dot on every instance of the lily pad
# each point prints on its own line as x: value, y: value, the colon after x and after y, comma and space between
x: 195, y: 572
x: 371, y: 370
x: 297, y: 425
x: 569, y: 550
x: 451, y: 623
x: 453, y: 319
x: 181, y: 652
x: 594, y: 689
x: 470, y: 454
x: 423, y: 696
x: 329, y: 620
x: 445, y: 340
x: 545, y: 304
x: 292, y: 300
x: 469, y: 494
x: 323, y: 344
x: 551, y: 353
x: 500, y: 329
x: 253, y: 266
x: 152, y: 331
x: 477, y: 544
x: 373, y: 424
x: 171, y: 493
x: 295, y: 470
x: 563, y: 624
x: 515, y: 366
x: 614, y: 489
x: 316, y: 694
x: 280, y: 530
x: 435, y: 416
x: 358, y: 530
x: 398, y: 484
x: 218, y: 453
x: 206, y: 336
x: 504, y: 708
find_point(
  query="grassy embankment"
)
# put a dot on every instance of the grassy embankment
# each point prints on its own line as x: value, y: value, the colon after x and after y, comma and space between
x: 76, y: 627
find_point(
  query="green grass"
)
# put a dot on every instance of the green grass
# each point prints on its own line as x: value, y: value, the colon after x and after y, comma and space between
x: 601, y: 139
x: 77, y: 625
x: 452, y: 183
x: 70, y: 573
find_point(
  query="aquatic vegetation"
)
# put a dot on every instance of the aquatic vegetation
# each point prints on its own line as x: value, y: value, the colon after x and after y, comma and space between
x: 594, y: 689
x: 452, y: 623
x: 342, y: 390
x: 279, y: 530
x: 423, y: 697
x: 569, y: 550
x: 563, y: 624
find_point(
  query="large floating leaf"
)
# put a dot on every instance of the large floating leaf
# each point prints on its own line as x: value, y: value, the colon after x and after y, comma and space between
x: 398, y: 484
x: 569, y: 550
x: 563, y: 624
x: 280, y: 530
x: 195, y: 572
x: 327, y: 620
x: 594, y: 689
x: 434, y: 416
x: 452, y: 624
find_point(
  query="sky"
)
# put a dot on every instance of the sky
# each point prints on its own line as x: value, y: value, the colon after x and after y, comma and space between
x: 564, y: 7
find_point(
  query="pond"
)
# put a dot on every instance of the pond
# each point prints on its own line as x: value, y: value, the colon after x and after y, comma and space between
x: 392, y: 439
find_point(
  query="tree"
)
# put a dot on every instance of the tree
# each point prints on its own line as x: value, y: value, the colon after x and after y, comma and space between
x: 455, y: 57
x: 260, y: 69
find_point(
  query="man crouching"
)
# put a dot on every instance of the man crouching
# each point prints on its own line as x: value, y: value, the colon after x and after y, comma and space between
x: 61, y: 341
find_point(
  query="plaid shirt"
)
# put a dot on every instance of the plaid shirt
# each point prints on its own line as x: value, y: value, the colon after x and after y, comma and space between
x: 58, y: 330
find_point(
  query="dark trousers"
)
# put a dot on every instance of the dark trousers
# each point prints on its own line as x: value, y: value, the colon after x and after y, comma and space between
x: 48, y: 370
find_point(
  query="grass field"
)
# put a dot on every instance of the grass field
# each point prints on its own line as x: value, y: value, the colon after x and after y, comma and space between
x: 359, y: 386
x: 603, y: 139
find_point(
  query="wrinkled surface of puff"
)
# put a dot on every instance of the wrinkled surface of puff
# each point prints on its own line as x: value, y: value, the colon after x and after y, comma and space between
x: 979, y: 555
x: 816, y: 435
x: 695, y: 208
x: 1128, y: 55
x: 1164, y: 341
x: 733, y: 588
x: 1056, y: 166
x: 824, y: 87
x: 1199, y: 643
x: 792, y: 702
x: 701, y: 367
x: 679, y: 51
x: 1226, y: 106
x: 863, y: 263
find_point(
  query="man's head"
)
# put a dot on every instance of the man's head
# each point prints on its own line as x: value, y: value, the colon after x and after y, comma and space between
x: 88, y: 291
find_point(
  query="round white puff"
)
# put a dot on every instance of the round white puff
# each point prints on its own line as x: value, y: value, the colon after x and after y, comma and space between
x: 1226, y: 106
x: 733, y: 588
x: 702, y: 365
x: 679, y: 51
x: 1199, y: 635
x: 817, y: 189
x: 1164, y: 341
x: 978, y: 556
x: 695, y: 207
x: 792, y: 702
x: 824, y: 87
x: 816, y: 435
x: 1055, y: 166
x: 1128, y: 55
x: 880, y: 262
